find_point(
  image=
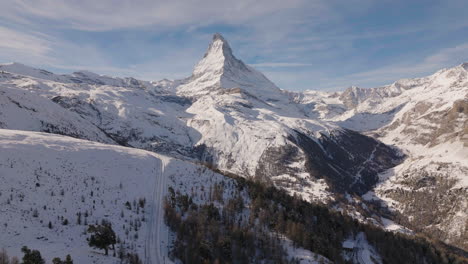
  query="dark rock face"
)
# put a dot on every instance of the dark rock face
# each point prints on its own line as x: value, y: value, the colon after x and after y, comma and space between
x: 434, y: 203
x: 274, y: 161
x: 352, y: 96
x: 84, y: 109
x: 347, y: 160
x: 183, y: 101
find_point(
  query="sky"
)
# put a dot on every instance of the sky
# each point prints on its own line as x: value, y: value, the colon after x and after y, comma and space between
x: 298, y: 44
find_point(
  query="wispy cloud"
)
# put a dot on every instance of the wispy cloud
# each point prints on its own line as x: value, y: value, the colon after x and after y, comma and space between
x: 387, y: 74
x: 280, y: 64
x: 108, y: 15
x: 21, y: 45
x: 300, y: 44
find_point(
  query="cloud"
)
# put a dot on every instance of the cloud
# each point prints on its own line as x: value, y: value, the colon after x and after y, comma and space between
x: 279, y: 64
x: 301, y: 44
x: 108, y: 15
x: 387, y: 74
x: 457, y: 54
x: 15, y: 44
x: 444, y: 57
x: 255, y: 18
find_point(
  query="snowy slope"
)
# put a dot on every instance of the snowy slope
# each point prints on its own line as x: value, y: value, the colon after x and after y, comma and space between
x: 23, y: 110
x: 59, y: 177
x: 81, y: 77
x: 49, y: 178
x: 113, y: 113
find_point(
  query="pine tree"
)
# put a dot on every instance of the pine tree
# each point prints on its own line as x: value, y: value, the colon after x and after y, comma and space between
x: 32, y: 256
x: 68, y: 260
x: 78, y: 220
x: 102, y: 236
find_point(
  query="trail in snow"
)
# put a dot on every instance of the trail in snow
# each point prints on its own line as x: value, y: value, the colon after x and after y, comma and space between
x: 363, y: 165
x: 364, y: 253
x: 157, y: 238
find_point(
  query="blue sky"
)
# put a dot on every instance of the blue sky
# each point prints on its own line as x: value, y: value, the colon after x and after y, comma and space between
x: 298, y: 44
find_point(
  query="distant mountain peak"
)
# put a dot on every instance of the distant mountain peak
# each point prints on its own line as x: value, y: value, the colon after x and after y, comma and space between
x: 217, y: 57
x: 219, y: 69
x: 217, y: 36
x: 465, y: 65
x: 21, y: 69
x: 219, y: 40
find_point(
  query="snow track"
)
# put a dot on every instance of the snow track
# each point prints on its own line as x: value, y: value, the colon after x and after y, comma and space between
x: 363, y: 252
x: 157, y: 231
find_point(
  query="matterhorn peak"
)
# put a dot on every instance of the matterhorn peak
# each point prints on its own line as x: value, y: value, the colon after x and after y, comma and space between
x: 217, y: 57
x: 220, y: 69
x: 219, y: 46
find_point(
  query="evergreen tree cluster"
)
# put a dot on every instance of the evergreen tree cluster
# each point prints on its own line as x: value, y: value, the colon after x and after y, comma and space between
x: 317, y: 228
x: 31, y: 256
x: 221, y: 231
x: 103, y: 236
x: 208, y: 234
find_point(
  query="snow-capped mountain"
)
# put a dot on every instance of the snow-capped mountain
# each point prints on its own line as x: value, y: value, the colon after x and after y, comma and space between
x: 426, y: 118
x: 81, y: 77
x: 397, y: 144
x: 219, y: 72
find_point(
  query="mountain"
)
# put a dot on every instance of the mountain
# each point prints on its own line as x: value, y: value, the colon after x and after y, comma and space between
x: 220, y: 72
x: 426, y: 118
x: 225, y: 115
x: 81, y: 77
x: 374, y: 154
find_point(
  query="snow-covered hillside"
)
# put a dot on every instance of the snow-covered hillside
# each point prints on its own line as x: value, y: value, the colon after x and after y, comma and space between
x: 53, y: 186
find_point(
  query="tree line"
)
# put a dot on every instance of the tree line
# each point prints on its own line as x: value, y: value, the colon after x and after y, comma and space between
x: 219, y: 231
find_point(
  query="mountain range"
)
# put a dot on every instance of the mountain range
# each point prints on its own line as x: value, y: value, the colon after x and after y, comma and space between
x: 395, y: 156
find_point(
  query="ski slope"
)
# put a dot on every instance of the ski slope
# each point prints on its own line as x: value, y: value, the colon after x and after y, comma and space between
x: 157, y: 240
x: 46, y: 177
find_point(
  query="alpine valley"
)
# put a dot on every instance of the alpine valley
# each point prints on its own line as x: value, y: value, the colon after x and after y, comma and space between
x: 225, y: 167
